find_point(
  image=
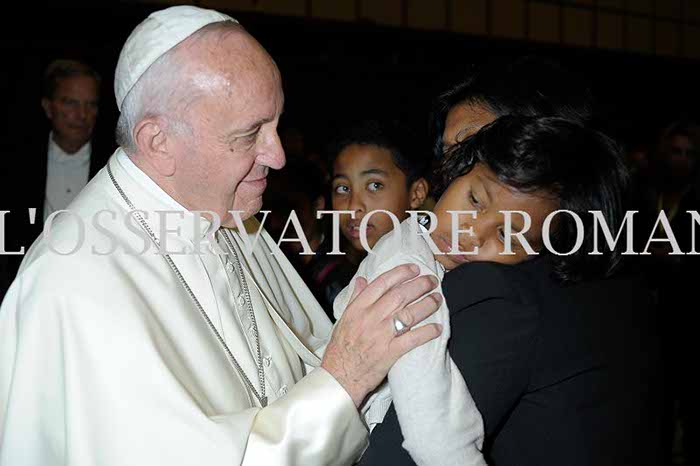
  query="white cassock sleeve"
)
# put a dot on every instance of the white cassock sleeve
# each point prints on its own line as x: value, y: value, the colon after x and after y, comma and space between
x: 82, y: 382
x: 439, y: 420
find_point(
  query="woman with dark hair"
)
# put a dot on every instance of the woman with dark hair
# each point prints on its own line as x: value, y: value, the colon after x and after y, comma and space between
x: 559, y: 352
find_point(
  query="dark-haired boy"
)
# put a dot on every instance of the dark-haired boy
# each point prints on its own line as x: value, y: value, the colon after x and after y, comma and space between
x: 372, y: 171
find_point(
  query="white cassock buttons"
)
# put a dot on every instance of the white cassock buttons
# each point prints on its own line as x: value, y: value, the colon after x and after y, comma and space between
x: 267, y: 360
x: 229, y: 267
x: 241, y: 300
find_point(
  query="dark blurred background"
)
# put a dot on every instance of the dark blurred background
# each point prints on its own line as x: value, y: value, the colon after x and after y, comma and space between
x: 343, y: 59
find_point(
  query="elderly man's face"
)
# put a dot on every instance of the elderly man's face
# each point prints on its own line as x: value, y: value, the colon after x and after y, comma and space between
x: 223, y: 164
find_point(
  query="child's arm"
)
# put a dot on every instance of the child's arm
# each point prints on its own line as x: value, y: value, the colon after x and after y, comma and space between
x: 439, y: 420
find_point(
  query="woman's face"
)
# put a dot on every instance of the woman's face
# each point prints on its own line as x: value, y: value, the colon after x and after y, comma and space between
x: 464, y: 120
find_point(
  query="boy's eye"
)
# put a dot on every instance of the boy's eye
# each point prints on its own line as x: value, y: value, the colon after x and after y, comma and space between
x: 341, y: 189
x: 374, y: 186
x: 473, y: 199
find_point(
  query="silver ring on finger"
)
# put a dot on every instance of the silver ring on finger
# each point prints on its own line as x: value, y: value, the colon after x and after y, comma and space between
x: 399, y: 326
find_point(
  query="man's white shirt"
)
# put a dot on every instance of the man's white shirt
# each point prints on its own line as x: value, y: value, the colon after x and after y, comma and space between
x: 66, y: 175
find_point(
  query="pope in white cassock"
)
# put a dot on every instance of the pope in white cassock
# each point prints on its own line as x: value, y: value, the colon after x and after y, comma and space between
x: 110, y: 355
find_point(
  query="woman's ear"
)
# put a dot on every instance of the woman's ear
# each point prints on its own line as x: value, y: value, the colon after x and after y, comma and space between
x: 418, y: 193
x: 152, y: 141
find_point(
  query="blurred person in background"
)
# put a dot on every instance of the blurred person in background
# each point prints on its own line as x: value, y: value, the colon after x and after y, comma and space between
x: 675, y: 191
x: 53, y: 168
x: 374, y: 167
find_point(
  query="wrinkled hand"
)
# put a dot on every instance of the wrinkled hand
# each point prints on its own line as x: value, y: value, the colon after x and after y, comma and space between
x: 363, y: 346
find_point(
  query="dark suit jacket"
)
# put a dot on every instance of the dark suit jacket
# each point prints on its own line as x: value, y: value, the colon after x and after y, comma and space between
x: 23, y: 186
x: 562, y: 375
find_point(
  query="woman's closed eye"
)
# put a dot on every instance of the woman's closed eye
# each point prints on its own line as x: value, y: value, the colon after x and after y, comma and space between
x: 474, y: 200
x: 501, y: 235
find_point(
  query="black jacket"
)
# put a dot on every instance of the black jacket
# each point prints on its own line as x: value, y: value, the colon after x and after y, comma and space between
x: 23, y: 186
x: 563, y: 375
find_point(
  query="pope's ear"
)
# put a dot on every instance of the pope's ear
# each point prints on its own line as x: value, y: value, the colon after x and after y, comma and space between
x: 152, y: 143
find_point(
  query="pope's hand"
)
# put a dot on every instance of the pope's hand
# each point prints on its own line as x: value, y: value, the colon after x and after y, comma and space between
x: 364, y: 345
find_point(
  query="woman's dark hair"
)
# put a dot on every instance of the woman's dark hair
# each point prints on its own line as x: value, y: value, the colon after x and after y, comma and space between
x: 387, y: 135
x: 529, y: 86
x: 582, y: 168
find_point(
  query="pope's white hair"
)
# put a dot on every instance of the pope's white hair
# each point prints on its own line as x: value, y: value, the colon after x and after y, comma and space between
x: 166, y: 90
x: 162, y: 91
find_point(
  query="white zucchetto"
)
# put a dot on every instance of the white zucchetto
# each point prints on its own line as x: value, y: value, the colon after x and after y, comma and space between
x: 153, y: 37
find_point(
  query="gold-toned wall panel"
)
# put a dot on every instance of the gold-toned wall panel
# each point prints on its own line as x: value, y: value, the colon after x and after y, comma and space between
x: 508, y: 18
x: 609, y: 31
x: 536, y: 20
x: 335, y: 9
x: 639, y: 35
x: 544, y: 22
x: 469, y: 16
x: 640, y: 6
x: 669, y: 8
x: 384, y: 12
x: 426, y: 14
x: 282, y: 7
x: 692, y: 42
x: 692, y: 10
x: 243, y: 5
x: 667, y: 38
x: 165, y: 3
x: 611, y: 3
x: 578, y: 27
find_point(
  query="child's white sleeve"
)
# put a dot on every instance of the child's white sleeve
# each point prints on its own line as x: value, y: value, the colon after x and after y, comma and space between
x: 439, y: 421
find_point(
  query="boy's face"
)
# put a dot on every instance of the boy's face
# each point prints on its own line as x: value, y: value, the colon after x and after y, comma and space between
x: 480, y: 191
x: 365, y: 178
